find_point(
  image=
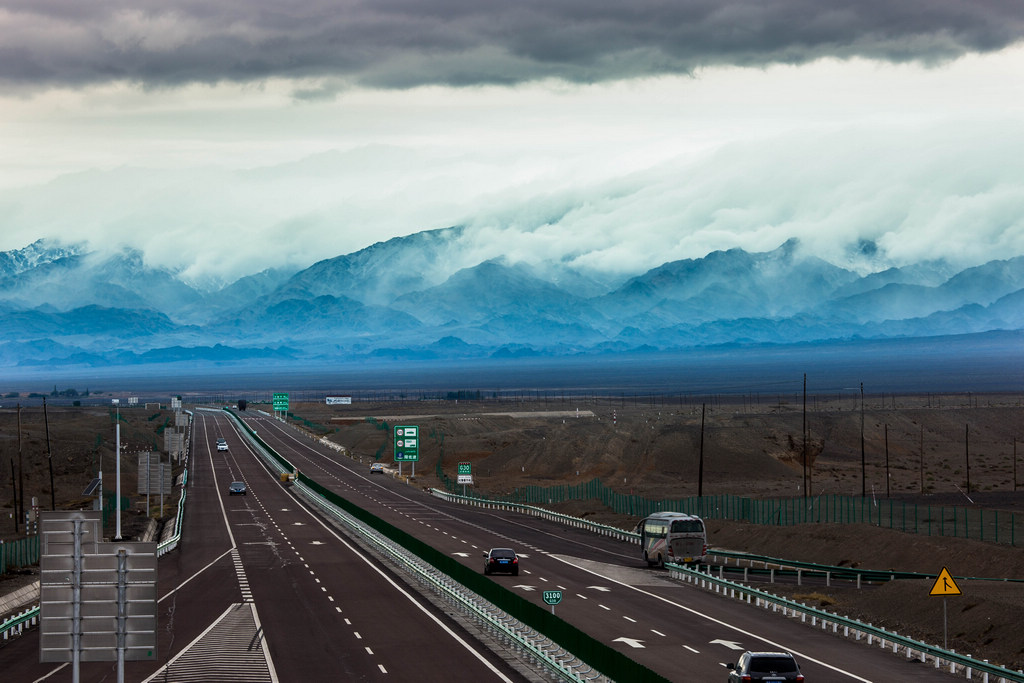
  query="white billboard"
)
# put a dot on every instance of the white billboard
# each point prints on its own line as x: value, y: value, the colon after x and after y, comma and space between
x: 339, y: 400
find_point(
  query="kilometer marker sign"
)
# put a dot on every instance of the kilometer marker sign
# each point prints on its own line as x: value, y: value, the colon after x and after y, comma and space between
x: 552, y: 598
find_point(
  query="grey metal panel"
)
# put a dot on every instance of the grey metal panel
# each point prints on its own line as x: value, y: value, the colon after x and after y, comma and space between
x: 57, y: 529
x: 55, y: 563
x: 57, y: 609
x: 98, y: 601
x: 99, y: 609
x: 137, y: 551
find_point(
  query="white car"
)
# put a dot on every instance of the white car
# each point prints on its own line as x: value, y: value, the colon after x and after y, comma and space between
x: 222, y: 445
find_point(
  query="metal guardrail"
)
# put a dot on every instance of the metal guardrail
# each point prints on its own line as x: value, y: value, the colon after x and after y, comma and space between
x: 539, y: 648
x: 966, y: 664
x: 956, y: 663
x: 568, y: 520
x: 16, y: 625
x: 556, y: 660
x: 799, y: 568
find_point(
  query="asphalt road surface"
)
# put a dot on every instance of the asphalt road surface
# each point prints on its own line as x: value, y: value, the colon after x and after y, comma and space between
x: 680, y: 631
x: 262, y: 590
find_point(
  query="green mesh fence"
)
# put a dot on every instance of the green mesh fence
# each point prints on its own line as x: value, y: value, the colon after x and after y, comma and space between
x: 993, y: 526
x: 23, y: 552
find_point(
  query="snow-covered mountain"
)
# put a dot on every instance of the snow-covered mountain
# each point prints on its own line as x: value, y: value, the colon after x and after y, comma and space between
x: 423, y: 296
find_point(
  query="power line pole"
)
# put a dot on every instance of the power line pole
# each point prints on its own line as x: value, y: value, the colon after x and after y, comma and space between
x: 887, y: 460
x: 21, y: 473
x: 863, y: 475
x: 806, y: 487
x: 967, y: 455
x: 700, y: 469
x: 49, y: 457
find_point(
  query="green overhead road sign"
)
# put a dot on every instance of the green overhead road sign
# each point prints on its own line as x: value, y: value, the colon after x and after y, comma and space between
x: 407, y: 443
x: 280, y: 401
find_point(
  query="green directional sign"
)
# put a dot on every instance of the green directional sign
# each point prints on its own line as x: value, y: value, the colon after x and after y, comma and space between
x: 465, y: 468
x: 552, y: 597
x: 407, y: 443
x: 280, y: 401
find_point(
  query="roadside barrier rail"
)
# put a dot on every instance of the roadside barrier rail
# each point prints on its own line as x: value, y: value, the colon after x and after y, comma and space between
x: 568, y: 520
x: 16, y: 625
x: 538, y: 648
x: 831, y: 572
x: 941, y: 658
x: 961, y: 663
x: 512, y: 619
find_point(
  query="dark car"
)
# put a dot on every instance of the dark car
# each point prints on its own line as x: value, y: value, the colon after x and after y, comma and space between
x: 237, y: 487
x: 501, y: 560
x: 765, y: 666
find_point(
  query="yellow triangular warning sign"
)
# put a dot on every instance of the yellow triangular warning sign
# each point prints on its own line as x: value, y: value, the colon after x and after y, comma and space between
x: 944, y: 584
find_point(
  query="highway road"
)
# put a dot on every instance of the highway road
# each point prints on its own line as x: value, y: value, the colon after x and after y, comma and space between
x: 676, y: 629
x: 261, y: 590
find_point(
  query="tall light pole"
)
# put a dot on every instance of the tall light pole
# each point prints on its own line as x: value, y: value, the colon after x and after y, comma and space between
x: 117, y: 465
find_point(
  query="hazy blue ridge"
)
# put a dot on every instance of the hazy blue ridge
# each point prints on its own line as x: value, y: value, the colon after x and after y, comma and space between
x: 423, y: 297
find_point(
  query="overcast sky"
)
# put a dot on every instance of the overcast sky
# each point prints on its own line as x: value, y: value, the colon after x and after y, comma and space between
x: 226, y: 137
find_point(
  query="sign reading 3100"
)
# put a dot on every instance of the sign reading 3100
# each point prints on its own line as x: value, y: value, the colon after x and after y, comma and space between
x: 407, y: 443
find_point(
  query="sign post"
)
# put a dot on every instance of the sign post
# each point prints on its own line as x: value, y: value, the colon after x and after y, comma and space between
x: 280, y: 402
x: 407, y: 446
x: 552, y: 598
x: 944, y: 585
x: 465, y: 475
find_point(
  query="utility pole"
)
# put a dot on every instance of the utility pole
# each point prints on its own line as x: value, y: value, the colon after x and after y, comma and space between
x: 863, y: 475
x: 806, y: 491
x: 887, y: 460
x: 700, y: 468
x: 967, y: 455
x: 922, y: 459
x: 49, y: 457
x: 21, y: 473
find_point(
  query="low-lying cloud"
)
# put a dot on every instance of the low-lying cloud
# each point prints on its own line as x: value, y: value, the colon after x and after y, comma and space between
x: 943, y: 193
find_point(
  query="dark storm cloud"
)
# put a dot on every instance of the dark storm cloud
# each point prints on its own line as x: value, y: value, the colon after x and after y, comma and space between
x: 405, y: 43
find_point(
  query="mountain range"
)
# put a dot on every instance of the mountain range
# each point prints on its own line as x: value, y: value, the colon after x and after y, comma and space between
x: 423, y: 297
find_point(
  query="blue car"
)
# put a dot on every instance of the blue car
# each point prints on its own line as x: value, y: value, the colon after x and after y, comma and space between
x: 237, y: 488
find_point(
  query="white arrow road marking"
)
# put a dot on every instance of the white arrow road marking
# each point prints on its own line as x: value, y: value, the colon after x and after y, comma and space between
x: 728, y: 643
x: 525, y: 588
x: 600, y: 588
x: 632, y: 642
x: 318, y: 542
x: 461, y: 554
x: 298, y: 524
